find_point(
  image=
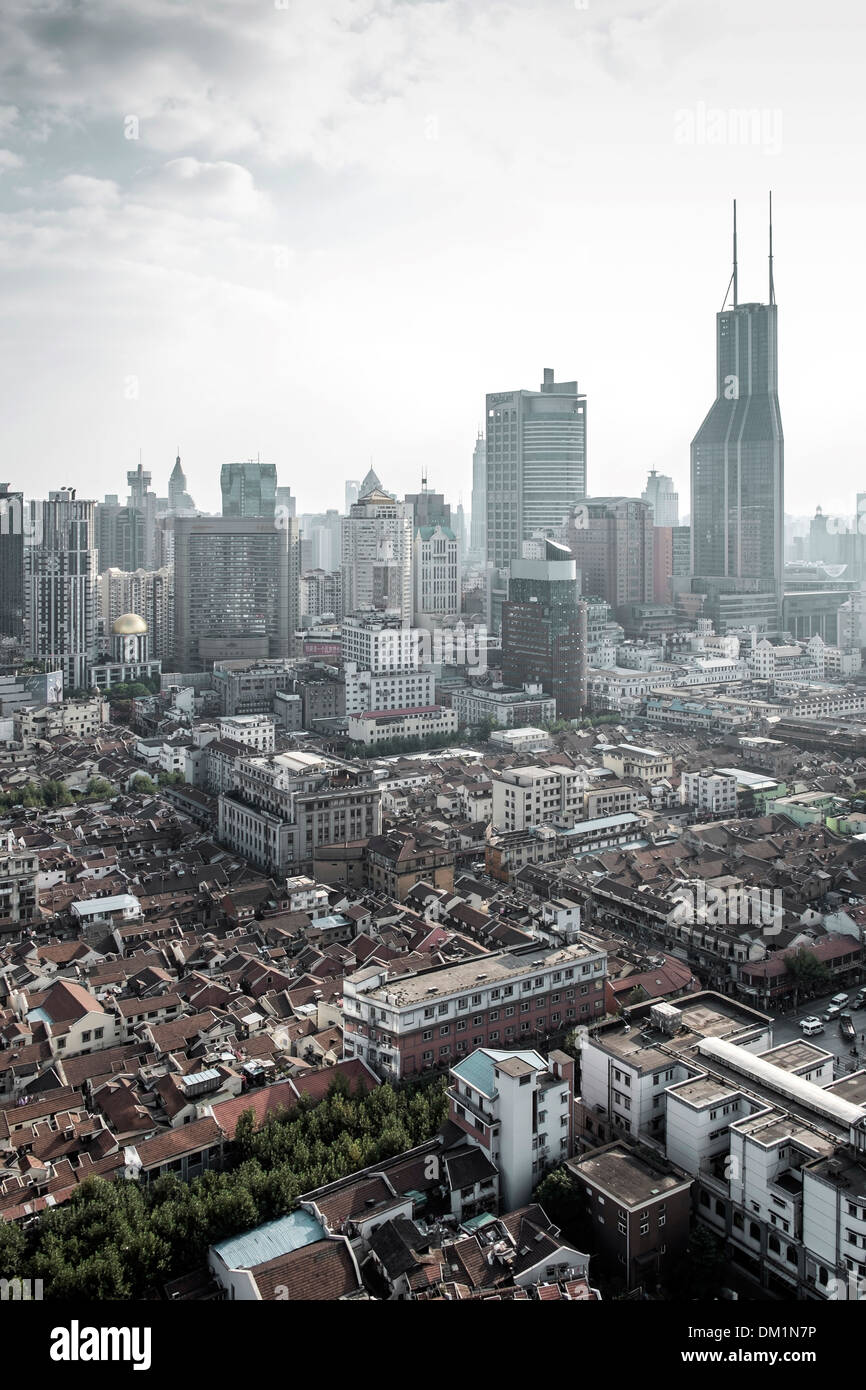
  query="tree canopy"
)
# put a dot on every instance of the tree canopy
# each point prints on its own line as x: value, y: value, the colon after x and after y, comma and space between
x: 119, y: 1239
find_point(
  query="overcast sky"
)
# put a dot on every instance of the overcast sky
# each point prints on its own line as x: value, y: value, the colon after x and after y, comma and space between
x: 320, y: 230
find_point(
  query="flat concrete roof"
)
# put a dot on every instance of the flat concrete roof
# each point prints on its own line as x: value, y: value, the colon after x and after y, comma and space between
x: 630, y: 1179
x: 482, y: 971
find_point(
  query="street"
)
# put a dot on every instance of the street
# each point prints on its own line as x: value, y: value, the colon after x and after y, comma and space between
x: 785, y: 1028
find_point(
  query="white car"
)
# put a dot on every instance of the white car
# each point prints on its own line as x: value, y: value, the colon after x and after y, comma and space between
x: 810, y: 1021
x: 833, y: 1010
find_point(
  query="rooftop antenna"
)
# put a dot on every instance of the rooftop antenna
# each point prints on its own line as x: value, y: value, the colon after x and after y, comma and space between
x: 733, y: 279
x: 423, y: 479
x: 772, y: 287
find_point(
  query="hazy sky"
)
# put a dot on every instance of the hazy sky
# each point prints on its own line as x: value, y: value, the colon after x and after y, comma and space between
x: 339, y: 222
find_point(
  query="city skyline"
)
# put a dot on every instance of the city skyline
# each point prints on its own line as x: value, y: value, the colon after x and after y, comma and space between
x: 196, y: 248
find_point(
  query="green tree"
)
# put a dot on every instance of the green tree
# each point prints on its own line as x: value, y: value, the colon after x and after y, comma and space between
x: 700, y: 1274
x: 98, y: 788
x: 561, y: 1198
x: 809, y: 974
x: 142, y: 784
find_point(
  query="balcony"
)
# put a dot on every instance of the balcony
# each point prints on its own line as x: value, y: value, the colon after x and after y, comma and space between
x: 713, y: 1173
x: 457, y: 1098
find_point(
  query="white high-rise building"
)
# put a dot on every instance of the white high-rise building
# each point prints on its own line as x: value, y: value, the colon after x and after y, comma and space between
x: 61, y: 585
x: 436, y: 571
x: 535, y: 463
x: 663, y: 499
x: 377, y: 552
x: 382, y: 666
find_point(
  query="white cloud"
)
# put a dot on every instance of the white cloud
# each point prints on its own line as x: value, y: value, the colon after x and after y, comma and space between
x: 403, y: 202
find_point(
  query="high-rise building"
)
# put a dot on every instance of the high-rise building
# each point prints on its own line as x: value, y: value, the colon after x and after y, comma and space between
x: 236, y: 582
x: 352, y: 489
x: 11, y: 562
x: 478, y: 519
x: 436, y: 570
x: 536, y: 462
x: 120, y: 534
x: 249, y: 489
x: 147, y: 593
x: 321, y: 540
x: 179, y: 500
x: 737, y: 465
x: 611, y: 539
x: 377, y: 552
x: 60, y: 585
x: 544, y: 627
x: 286, y: 504
x: 144, y: 501
x: 428, y: 508
x: 460, y: 531
x: 321, y: 593
x: 382, y: 665
x: 663, y: 499
x: 672, y: 558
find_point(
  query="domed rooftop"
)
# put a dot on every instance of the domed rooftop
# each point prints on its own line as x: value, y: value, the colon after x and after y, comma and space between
x: 129, y: 625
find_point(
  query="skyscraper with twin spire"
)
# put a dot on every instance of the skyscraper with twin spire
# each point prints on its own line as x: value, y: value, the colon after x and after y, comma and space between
x: 737, y: 468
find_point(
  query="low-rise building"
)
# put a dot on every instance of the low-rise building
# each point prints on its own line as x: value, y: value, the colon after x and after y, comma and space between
x: 524, y: 797
x: 711, y: 791
x: 254, y: 730
x: 429, y: 721
x: 407, y: 1024
x: 502, y: 706
x: 640, y: 1208
x: 19, y: 890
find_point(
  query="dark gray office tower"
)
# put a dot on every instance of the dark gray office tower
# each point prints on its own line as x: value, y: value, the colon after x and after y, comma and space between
x: 142, y: 500
x: 737, y: 469
x: 249, y: 489
x: 236, y: 588
x: 536, y: 463
x: 11, y: 562
x: 428, y: 508
x: 544, y: 627
x: 120, y: 535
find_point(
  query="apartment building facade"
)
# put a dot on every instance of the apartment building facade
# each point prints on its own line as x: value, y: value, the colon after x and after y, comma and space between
x: 285, y: 807
x: 415, y: 1023
x: 518, y: 1107
x: 19, y: 891
x: 709, y: 791
x: 530, y: 796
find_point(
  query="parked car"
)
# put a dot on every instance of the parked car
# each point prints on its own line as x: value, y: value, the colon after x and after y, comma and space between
x: 839, y: 999
x: 859, y: 1000
x: 833, y: 1011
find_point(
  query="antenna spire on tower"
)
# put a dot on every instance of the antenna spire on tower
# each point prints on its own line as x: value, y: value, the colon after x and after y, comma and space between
x: 732, y: 283
x: 772, y: 287
x: 734, y: 276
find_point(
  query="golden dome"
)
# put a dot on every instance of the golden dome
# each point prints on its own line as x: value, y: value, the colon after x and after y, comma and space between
x: 128, y: 625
